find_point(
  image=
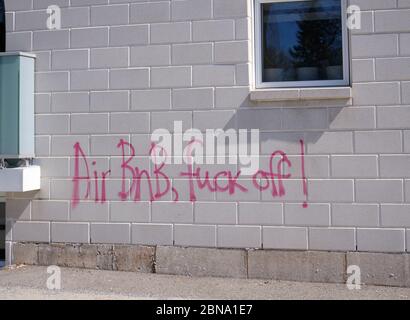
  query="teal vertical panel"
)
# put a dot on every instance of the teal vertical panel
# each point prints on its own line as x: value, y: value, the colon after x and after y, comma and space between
x: 9, y: 105
x: 26, y: 107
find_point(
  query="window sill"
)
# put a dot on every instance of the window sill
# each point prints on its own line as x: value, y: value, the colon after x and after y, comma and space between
x: 301, y: 94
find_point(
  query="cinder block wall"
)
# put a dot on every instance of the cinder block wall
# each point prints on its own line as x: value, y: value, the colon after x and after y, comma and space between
x: 119, y: 69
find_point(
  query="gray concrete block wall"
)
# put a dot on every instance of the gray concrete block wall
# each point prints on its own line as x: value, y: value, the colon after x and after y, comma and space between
x: 121, y: 69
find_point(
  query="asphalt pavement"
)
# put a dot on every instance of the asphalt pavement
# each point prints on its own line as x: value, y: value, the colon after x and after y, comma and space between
x: 28, y: 282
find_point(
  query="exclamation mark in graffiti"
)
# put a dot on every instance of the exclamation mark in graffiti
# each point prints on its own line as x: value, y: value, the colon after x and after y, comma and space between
x: 304, y: 179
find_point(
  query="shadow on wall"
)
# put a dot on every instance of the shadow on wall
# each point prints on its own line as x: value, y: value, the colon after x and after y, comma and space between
x: 283, y: 124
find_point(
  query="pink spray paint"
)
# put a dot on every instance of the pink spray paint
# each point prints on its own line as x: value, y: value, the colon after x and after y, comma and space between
x: 304, y: 179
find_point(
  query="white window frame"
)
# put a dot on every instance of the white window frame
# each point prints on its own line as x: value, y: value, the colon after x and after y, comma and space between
x: 296, y: 84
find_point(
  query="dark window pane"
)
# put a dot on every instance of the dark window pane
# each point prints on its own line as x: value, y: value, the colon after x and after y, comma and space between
x: 302, y: 41
x: 2, y: 27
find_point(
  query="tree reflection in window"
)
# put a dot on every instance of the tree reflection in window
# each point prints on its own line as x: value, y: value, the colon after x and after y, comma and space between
x: 302, y: 41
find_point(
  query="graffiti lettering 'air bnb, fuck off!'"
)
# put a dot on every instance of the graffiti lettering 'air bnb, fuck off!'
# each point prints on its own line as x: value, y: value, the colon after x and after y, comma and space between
x: 156, y: 184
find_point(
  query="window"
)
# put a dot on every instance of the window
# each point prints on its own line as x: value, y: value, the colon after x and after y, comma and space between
x: 301, y: 43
